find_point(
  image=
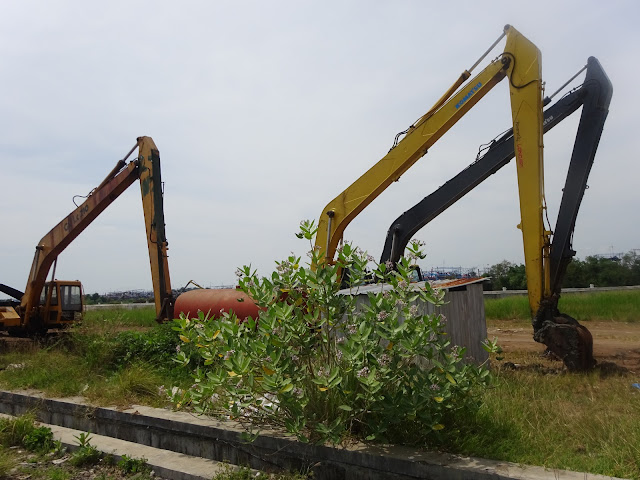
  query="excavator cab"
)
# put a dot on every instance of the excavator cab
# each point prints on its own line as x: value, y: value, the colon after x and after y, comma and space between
x: 61, y: 303
x: 416, y: 274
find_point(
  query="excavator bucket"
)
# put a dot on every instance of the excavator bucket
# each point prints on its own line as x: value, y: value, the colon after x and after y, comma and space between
x: 568, y: 340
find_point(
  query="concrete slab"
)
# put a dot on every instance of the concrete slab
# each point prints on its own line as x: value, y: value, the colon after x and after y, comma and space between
x: 165, y: 464
x: 217, y: 440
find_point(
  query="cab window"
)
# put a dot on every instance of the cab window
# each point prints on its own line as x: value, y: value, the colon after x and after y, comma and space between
x: 45, y: 292
x: 414, y: 275
x: 71, y: 297
x: 43, y: 295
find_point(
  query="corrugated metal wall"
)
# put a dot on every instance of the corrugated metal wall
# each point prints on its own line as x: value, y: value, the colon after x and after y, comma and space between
x: 465, y: 321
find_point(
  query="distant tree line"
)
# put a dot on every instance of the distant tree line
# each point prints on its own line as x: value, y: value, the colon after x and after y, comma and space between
x: 599, y: 271
x: 97, y: 299
x: 126, y: 297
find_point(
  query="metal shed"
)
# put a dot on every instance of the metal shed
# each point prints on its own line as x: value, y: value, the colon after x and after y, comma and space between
x: 463, y: 309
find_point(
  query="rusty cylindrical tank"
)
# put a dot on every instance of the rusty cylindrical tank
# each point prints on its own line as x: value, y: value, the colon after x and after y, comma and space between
x: 212, y: 301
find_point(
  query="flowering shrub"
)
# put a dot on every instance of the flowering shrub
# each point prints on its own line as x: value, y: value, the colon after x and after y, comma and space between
x: 323, y: 367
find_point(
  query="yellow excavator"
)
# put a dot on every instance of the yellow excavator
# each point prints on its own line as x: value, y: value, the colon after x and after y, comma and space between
x: 594, y: 97
x: 57, y: 303
x: 520, y: 63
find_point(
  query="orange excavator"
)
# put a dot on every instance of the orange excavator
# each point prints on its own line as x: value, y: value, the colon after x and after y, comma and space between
x: 58, y: 303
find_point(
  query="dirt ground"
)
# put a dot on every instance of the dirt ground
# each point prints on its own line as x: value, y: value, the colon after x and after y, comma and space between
x: 614, y: 342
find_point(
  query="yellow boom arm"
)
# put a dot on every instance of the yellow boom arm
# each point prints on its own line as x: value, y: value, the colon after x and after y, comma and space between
x: 521, y: 62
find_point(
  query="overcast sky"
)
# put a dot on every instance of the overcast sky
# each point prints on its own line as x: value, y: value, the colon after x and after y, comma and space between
x: 264, y: 111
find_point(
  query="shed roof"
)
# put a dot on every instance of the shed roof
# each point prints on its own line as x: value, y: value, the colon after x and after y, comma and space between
x: 383, y: 287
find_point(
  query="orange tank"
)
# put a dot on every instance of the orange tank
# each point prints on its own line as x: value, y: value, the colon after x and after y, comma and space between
x: 213, y: 301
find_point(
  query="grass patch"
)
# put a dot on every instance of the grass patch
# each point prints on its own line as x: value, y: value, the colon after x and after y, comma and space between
x: 119, y: 317
x: 109, y: 367
x: 534, y: 415
x: 52, y: 371
x: 135, y: 384
x: 245, y: 473
x: 7, y: 462
x: 619, y: 306
x: 565, y: 421
x: 507, y: 308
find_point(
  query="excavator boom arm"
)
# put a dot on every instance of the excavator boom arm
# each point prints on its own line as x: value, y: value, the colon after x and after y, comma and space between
x: 592, y: 96
x: 145, y: 168
x: 65, y: 232
x: 598, y: 91
x: 521, y: 61
x: 525, y: 87
x: 153, y: 206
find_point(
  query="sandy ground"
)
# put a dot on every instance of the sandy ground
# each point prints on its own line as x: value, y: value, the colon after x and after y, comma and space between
x: 614, y: 342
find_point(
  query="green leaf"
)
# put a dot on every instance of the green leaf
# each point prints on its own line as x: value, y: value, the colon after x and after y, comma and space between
x: 346, y: 408
x: 286, y: 388
x: 335, y: 382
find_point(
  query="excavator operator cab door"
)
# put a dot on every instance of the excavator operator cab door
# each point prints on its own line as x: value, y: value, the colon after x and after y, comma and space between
x: 49, y: 305
x: 70, y: 301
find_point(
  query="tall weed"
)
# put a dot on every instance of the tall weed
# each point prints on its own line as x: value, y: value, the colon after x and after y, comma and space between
x: 13, y: 430
x: 322, y: 367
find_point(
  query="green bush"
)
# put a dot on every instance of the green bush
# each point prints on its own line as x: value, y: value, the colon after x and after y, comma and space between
x: 22, y: 431
x: 112, y: 353
x: 130, y: 465
x: 40, y: 439
x: 322, y: 368
x: 14, y: 430
x: 86, y: 454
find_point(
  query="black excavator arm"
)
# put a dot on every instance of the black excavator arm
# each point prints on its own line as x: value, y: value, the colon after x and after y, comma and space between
x: 6, y: 289
x: 594, y: 95
x: 562, y: 334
